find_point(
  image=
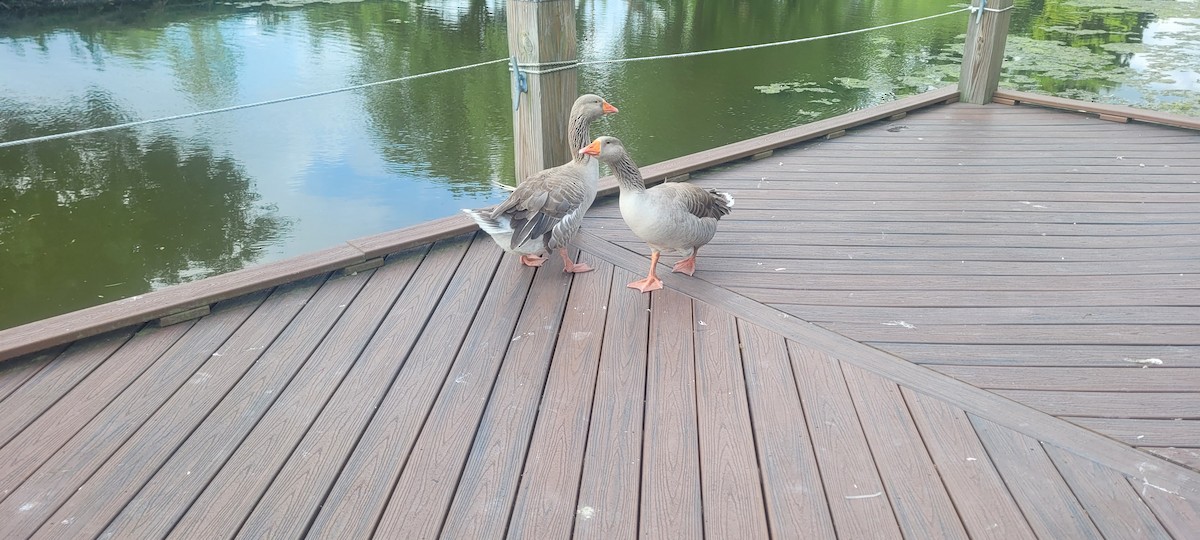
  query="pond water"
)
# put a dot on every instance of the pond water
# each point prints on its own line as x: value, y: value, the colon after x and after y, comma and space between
x: 94, y: 218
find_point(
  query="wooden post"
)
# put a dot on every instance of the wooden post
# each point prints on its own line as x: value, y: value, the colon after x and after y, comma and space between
x: 540, y: 32
x: 983, y: 53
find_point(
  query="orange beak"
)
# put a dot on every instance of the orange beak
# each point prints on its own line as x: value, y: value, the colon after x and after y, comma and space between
x: 591, y: 149
x: 607, y: 107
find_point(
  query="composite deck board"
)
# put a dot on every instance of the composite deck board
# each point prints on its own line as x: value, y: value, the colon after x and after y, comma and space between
x: 1043, y: 495
x: 15, y: 372
x: 482, y: 504
x: 25, y: 452
x: 1115, y: 507
x: 58, y: 469
x: 175, y: 484
x: 860, y: 505
x: 922, y: 506
x: 967, y: 470
x: 971, y: 271
x: 611, y: 475
x: 729, y: 473
x: 791, y: 478
x: 172, y: 443
x: 421, y: 494
x: 545, y: 506
x: 671, y: 493
x: 51, y: 383
x: 231, y: 495
x: 362, y: 488
x: 299, y: 488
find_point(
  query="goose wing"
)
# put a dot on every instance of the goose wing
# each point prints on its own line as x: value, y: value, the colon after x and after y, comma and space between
x: 542, y: 201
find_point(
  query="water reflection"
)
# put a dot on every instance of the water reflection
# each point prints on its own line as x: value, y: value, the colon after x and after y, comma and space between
x: 83, y: 219
x: 90, y: 219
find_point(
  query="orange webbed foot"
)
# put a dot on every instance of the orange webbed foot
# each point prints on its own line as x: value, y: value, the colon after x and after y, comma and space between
x: 646, y: 285
x: 529, y: 260
x: 577, y: 268
x: 686, y: 266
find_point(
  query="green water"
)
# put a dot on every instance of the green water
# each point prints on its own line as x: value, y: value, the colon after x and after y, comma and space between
x: 96, y: 218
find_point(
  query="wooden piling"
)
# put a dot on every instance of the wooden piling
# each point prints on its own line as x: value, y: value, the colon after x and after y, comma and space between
x: 541, y: 32
x: 983, y: 53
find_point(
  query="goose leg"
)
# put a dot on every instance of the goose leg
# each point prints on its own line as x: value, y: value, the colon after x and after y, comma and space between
x: 688, y: 265
x: 530, y: 260
x: 571, y: 267
x: 651, y: 282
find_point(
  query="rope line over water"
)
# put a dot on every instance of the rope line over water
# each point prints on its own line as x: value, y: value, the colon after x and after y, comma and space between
x: 732, y: 49
x: 552, y: 67
x: 43, y: 138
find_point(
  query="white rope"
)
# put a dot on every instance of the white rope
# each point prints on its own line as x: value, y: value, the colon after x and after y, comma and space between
x: 975, y: 9
x: 43, y: 138
x: 742, y: 48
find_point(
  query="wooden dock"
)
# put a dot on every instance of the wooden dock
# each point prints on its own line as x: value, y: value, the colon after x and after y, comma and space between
x: 954, y: 321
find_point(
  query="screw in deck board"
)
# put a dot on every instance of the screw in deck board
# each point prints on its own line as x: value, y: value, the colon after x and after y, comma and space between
x: 983, y: 52
x: 540, y: 32
x: 762, y: 155
x: 185, y: 315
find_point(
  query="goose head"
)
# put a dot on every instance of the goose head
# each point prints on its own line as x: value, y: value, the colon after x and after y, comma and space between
x: 606, y: 149
x: 591, y: 107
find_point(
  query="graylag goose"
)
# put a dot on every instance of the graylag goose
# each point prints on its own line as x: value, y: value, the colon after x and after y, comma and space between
x: 546, y: 210
x: 674, y: 217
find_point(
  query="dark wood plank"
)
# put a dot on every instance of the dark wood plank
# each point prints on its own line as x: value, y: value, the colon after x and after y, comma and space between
x: 1163, y: 297
x: 1111, y: 404
x: 1043, y: 495
x: 138, y: 309
x: 1144, y: 432
x: 231, y: 495
x: 806, y: 205
x: 994, y: 315
x: 28, y: 450
x: 671, y: 498
x: 482, y: 505
x: 796, y: 267
x: 1019, y: 334
x: 729, y: 474
x: 946, y: 240
x: 1114, y: 379
x: 171, y: 488
x: 546, y: 499
x: 90, y: 447
x: 1009, y: 193
x: 857, y: 499
x: 48, y: 385
x: 1157, y: 117
x: 612, y: 463
x: 289, y: 504
x: 923, y: 508
x: 1046, y: 355
x: 119, y: 478
x: 422, y: 491
x: 14, y: 373
x: 990, y: 254
x: 1114, y: 506
x: 1010, y: 414
x: 792, y: 485
x: 1184, y: 456
x: 361, y: 490
x: 1178, y: 515
x: 984, y: 503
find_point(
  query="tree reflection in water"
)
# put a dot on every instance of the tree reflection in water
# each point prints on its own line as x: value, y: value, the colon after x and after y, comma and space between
x: 136, y: 210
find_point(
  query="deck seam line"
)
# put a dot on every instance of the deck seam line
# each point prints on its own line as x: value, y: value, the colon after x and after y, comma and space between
x: 1070, y: 437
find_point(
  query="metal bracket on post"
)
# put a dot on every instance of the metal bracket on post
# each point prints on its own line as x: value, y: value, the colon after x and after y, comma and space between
x: 979, y: 14
x: 519, y: 82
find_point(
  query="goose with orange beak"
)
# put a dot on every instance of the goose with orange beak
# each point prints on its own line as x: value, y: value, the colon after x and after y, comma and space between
x: 674, y: 218
x: 545, y: 211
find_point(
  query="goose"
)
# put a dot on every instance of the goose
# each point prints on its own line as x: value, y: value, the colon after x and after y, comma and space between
x: 545, y: 211
x: 672, y: 218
